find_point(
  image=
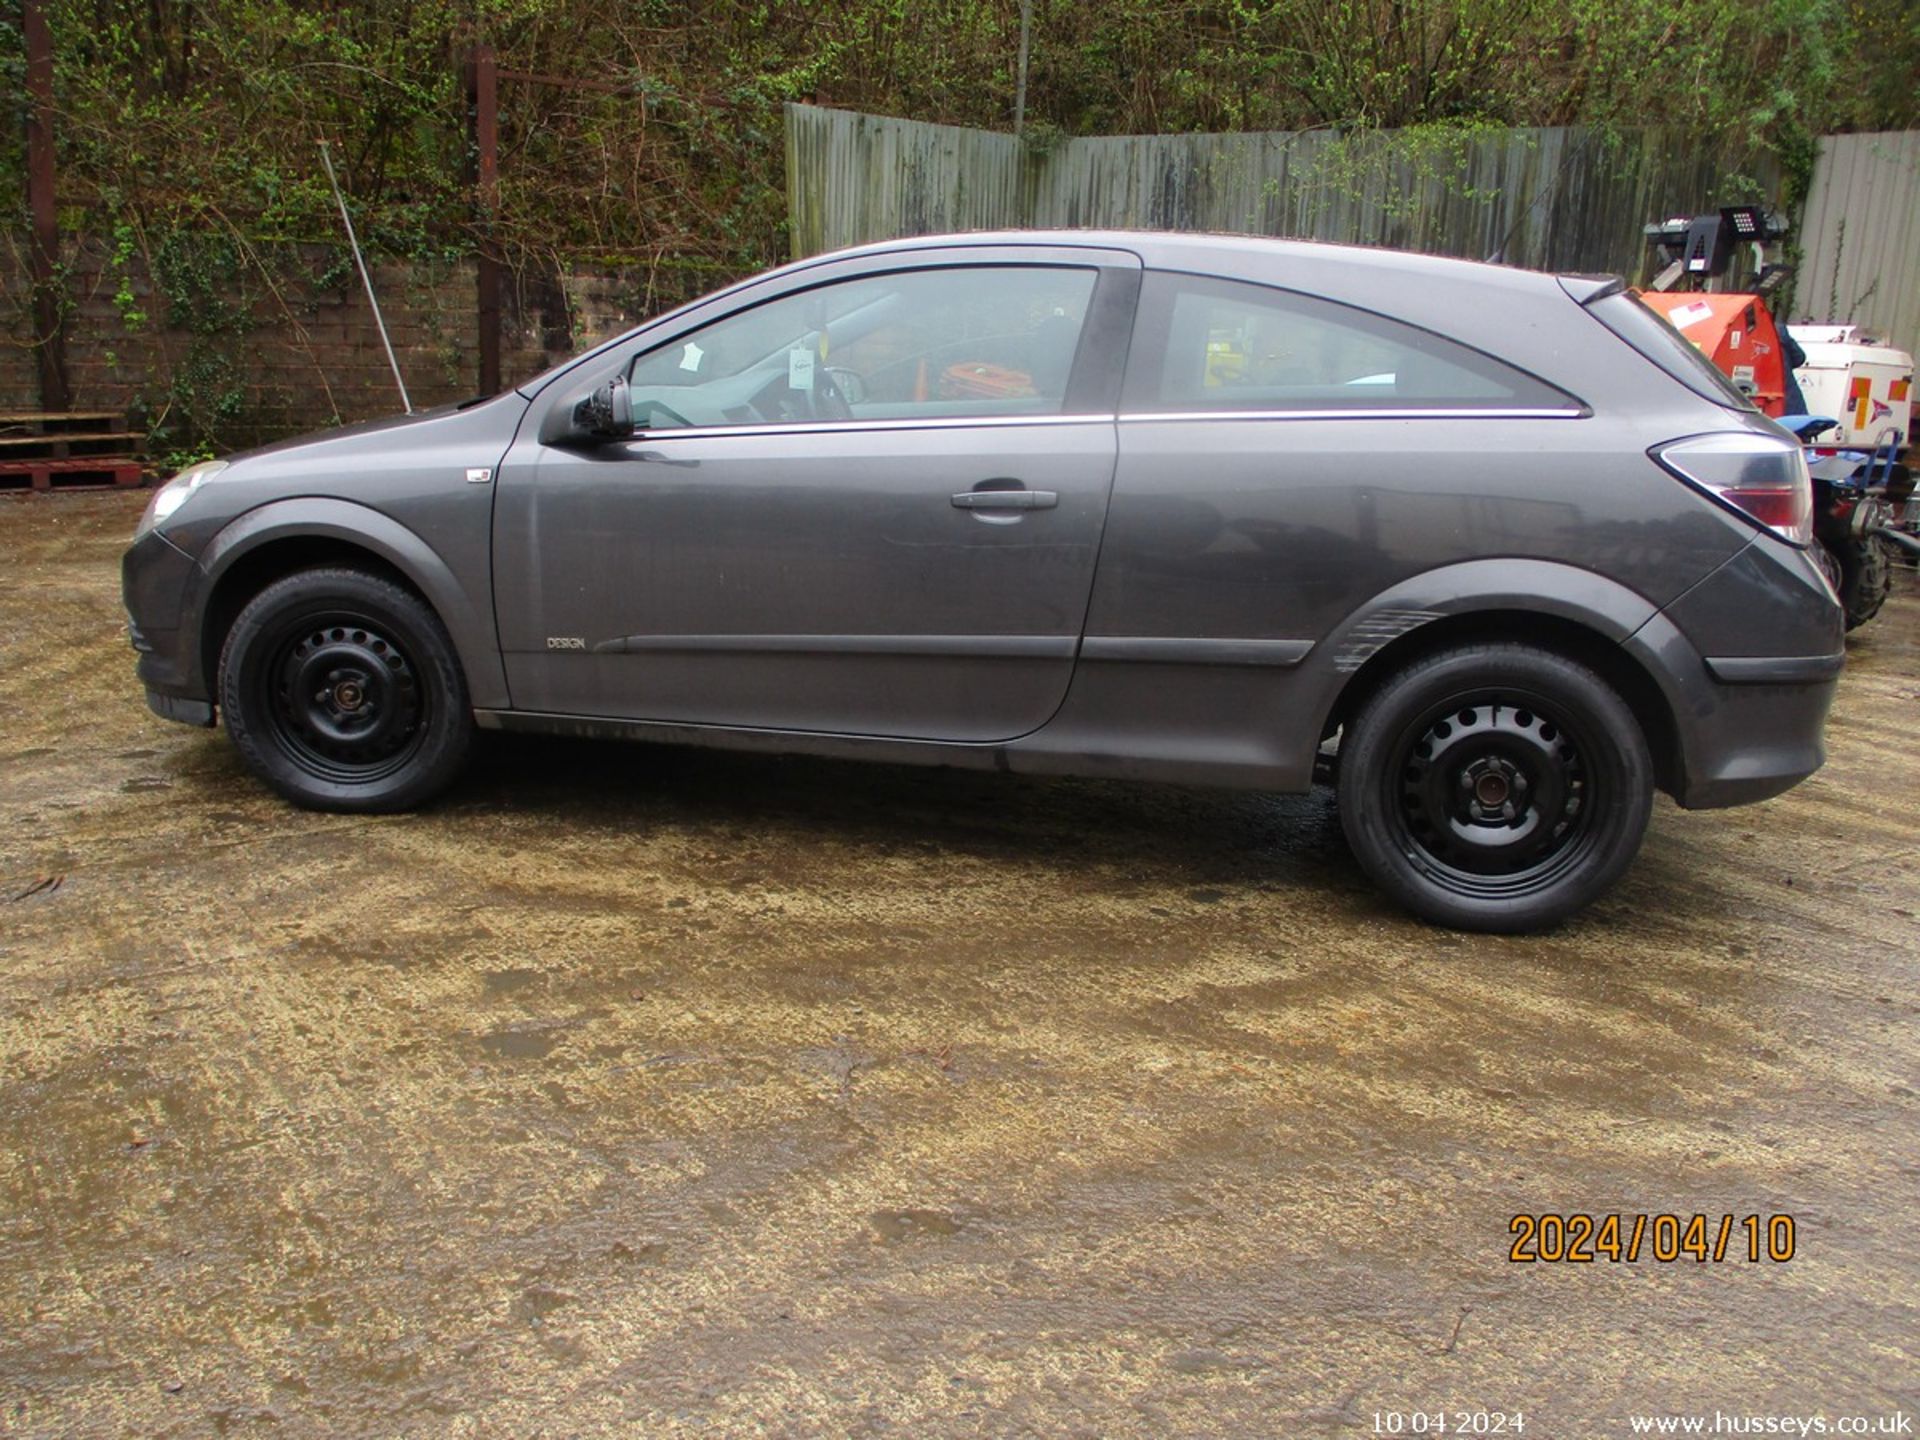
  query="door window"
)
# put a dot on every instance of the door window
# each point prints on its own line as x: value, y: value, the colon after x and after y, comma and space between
x: 970, y: 341
x: 1226, y: 345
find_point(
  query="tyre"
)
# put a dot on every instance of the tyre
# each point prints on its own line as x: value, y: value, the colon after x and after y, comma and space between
x: 1866, y: 577
x: 1495, y: 787
x: 1829, y: 563
x: 342, y: 691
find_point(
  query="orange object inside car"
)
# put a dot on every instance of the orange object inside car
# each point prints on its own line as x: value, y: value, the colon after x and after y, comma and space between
x: 1737, y: 333
x: 976, y: 380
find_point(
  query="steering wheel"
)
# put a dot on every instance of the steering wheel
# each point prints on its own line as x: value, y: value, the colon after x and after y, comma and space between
x: 828, y: 402
x: 851, y: 384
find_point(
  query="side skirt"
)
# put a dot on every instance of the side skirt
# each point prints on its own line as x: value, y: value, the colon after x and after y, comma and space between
x: 1045, y: 752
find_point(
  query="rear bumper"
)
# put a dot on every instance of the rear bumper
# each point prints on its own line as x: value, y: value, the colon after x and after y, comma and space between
x: 1749, y: 658
x: 1776, y: 669
x: 1758, y: 742
x: 1747, y: 740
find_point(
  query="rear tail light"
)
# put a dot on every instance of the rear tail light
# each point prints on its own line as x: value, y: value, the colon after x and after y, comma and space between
x: 1762, y: 479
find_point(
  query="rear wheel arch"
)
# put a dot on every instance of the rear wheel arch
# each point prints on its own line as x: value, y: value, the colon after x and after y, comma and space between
x: 1555, y: 634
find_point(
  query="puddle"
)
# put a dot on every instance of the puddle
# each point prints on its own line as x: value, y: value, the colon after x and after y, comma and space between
x: 502, y: 982
x: 911, y: 1224
x: 520, y: 1044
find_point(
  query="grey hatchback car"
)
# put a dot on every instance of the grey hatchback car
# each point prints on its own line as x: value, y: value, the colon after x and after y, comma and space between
x: 1495, y: 551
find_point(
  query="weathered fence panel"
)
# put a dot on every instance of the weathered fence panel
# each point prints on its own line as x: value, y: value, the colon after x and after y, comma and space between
x: 853, y: 178
x: 1860, y: 239
x: 1565, y: 198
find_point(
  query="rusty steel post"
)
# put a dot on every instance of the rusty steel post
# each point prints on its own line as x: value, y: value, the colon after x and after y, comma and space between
x: 49, y: 325
x: 487, y: 269
x: 1020, y: 91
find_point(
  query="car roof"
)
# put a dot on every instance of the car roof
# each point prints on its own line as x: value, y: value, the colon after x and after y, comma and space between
x: 1221, y: 253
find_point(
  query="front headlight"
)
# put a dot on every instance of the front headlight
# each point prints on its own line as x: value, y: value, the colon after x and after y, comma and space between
x: 172, y: 495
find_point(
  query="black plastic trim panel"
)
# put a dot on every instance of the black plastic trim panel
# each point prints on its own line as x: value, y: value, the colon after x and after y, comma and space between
x: 1775, y: 669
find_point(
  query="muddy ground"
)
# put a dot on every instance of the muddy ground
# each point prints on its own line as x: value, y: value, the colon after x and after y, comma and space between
x: 645, y: 1091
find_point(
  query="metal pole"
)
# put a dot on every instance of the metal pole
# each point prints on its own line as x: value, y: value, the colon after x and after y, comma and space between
x: 486, y: 134
x: 326, y: 159
x: 1020, y: 89
x: 43, y: 254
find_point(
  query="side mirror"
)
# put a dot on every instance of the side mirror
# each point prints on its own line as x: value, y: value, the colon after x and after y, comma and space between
x: 606, y: 414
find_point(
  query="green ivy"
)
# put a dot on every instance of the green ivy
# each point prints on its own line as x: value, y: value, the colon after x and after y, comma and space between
x: 187, y: 127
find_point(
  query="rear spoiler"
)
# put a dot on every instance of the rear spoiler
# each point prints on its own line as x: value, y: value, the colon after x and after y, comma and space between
x: 1585, y: 289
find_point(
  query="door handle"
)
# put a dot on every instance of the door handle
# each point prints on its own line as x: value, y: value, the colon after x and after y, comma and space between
x: 1006, y: 500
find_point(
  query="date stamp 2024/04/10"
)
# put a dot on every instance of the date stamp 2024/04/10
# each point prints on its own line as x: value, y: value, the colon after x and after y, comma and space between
x: 1579, y: 1239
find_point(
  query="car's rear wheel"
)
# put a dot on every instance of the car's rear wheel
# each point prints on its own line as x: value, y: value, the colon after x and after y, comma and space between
x: 342, y: 691
x: 1495, y: 787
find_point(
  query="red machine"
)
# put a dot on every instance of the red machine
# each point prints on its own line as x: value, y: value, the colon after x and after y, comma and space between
x: 1854, y: 496
x: 1735, y: 332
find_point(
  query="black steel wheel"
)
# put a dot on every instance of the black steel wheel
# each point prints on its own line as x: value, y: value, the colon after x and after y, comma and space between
x: 342, y: 691
x: 1495, y: 787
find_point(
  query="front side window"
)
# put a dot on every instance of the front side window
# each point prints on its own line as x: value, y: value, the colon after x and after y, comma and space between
x: 967, y: 341
x: 1226, y: 345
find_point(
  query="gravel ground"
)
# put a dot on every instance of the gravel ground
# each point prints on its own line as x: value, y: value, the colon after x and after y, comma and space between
x: 639, y: 1090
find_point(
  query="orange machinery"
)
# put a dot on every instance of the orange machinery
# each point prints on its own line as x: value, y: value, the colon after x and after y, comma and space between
x: 1735, y: 332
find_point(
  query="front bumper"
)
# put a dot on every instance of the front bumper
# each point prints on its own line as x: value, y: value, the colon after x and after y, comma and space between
x: 155, y: 577
x: 186, y: 712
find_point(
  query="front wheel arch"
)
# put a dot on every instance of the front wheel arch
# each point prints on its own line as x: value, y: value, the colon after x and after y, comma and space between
x: 304, y: 530
x: 261, y: 566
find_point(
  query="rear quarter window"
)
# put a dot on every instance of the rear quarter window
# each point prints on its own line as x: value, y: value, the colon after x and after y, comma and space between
x: 1650, y: 335
x: 1205, y: 344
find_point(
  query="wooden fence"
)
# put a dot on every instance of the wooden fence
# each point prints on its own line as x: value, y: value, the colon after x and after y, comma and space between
x: 1562, y: 199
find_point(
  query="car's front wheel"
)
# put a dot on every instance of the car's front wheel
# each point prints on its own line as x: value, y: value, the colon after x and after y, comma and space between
x: 1495, y: 787
x: 342, y: 691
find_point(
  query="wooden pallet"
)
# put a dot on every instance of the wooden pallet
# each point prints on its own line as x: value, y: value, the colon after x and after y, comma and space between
x: 67, y: 450
x: 56, y: 420
x: 79, y: 472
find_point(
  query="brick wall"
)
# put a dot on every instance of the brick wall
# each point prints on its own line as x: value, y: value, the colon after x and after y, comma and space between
x: 306, y: 355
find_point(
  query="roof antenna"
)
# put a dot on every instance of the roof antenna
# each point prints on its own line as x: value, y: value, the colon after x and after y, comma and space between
x: 326, y: 159
x: 1551, y: 193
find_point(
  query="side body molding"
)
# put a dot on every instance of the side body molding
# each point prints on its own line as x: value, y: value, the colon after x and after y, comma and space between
x: 468, y: 617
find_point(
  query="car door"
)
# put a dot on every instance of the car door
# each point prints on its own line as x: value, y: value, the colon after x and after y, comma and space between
x: 868, y: 501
